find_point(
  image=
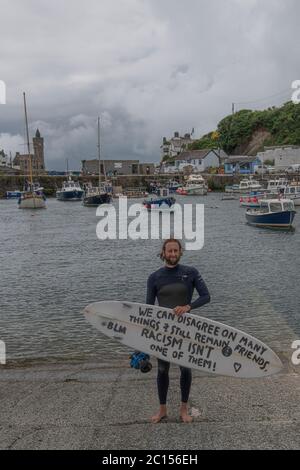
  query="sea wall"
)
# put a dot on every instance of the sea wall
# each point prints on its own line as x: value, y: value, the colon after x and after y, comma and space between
x: 52, y: 183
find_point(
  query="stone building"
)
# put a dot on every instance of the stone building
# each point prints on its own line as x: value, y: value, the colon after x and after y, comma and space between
x: 37, y: 158
x: 117, y: 167
x: 282, y: 156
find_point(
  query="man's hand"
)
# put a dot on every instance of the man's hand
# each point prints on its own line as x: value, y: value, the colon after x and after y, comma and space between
x: 181, y: 310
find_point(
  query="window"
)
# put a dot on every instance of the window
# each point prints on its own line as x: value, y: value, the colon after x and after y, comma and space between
x: 275, y: 207
x: 264, y: 207
x: 288, y: 206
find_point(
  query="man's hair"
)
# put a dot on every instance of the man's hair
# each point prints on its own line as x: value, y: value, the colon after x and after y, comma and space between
x: 170, y: 240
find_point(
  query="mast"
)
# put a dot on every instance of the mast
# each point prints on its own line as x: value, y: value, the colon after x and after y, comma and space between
x: 99, y: 170
x: 104, y: 172
x: 28, y: 143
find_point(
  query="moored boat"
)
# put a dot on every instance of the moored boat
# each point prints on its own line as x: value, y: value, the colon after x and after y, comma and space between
x: 292, y: 192
x: 70, y: 191
x: 32, y: 200
x: 251, y: 200
x: 13, y: 194
x: 32, y: 197
x: 95, y: 196
x: 195, y: 186
x: 161, y: 204
x: 272, y: 213
x: 244, y: 187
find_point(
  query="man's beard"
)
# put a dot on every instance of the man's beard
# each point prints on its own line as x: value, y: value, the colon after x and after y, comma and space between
x: 172, y: 261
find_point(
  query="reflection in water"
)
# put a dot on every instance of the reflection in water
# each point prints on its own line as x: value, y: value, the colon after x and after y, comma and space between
x: 53, y: 265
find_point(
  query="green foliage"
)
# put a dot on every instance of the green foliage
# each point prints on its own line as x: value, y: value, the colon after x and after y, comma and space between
x: 234, y: 130
x: 206, y: 142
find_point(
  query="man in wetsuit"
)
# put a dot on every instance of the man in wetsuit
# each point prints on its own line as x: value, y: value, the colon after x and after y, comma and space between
x: 173, y: 286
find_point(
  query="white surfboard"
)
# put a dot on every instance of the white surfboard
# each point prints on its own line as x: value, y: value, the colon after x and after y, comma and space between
x: 187, y: 340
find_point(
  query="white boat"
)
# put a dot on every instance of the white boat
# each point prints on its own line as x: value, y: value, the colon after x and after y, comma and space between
x: 245, y: 186
x: 276, y: 185
x: 195, y: 186
x: 292, y: 192
x: 32, y: 197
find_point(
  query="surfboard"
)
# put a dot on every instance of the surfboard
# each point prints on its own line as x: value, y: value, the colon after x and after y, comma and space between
x: 187, y: 340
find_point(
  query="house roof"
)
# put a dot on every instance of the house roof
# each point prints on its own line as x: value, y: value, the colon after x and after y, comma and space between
x: 240, y: 159
x: 194, y: 154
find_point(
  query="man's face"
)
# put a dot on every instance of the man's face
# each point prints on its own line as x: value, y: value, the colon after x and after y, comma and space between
x: 172, y: 253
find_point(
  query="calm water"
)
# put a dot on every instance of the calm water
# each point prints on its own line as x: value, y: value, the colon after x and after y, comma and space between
x: 53, y: 265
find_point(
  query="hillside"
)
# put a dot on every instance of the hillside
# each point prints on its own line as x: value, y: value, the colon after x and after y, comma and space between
x: 247, y: 132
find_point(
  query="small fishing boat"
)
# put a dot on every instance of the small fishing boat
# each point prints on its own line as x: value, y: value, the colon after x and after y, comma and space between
x: 13, y: 194
x: 244, y: 187
x: 251, y: 200
x: 95, y: 196
x: 292, y: 192
x: 70, y: 191
x: 272, y: 213
x: 195, y: 186
x: 277, y: 185
x: 161, y: 204
x: 228, y: 197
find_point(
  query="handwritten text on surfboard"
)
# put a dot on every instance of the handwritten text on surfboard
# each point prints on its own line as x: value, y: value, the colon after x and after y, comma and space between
x: 197, y: 346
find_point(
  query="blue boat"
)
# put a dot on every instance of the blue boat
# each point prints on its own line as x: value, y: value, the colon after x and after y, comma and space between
x: 13, y: 194
x: 162, y: 204
x: 272, y: 213
x: 71, y: 191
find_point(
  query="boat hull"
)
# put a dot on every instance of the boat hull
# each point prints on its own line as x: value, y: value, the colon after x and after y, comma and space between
x: 97, y: 200
x: 192, y: 191
x: 37, y: 202
x: 69, y: 195
x: 271, y: 220
x: 13, y: 194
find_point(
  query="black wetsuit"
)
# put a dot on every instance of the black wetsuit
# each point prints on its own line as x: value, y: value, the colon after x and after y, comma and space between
x: 174, y: 287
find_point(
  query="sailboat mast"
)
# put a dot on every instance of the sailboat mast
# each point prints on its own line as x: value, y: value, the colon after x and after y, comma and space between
x: 99, y: 170
x: 28, y: 143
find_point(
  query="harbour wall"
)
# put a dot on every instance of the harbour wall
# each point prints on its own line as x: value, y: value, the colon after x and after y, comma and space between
x: 52, y: 183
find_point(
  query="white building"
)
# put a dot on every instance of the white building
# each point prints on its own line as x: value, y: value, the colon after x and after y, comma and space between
x: 175, y: 145
x: 3, y: 159
x: 283, y: 157
x: 200, y: 160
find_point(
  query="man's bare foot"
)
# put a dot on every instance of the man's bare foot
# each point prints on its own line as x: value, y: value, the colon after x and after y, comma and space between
x: 162, y: 414
x: 184, y: 415
x: 158, y: 418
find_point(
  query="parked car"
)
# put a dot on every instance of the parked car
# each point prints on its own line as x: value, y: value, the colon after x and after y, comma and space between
x: 293, y: 168
x: 261, y: 170
x: 272, y: 169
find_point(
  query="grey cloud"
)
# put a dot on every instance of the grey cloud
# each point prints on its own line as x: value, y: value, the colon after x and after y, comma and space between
x: 148, y: 67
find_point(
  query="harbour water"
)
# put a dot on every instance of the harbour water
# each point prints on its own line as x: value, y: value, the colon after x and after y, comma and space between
x: 53, y: 265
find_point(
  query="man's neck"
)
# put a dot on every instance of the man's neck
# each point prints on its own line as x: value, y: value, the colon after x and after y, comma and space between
x: 171, y: 265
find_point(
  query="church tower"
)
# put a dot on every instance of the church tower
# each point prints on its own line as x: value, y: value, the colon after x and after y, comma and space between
x: 38, y: 152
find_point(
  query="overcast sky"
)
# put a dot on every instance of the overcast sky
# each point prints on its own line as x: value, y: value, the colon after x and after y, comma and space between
x: 147, y: 67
